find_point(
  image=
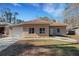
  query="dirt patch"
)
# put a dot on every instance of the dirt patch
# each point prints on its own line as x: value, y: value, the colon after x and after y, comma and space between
x: 38, y: 51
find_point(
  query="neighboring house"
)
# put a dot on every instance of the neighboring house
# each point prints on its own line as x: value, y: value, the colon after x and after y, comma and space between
x: 76, y: 30
x: 38, y: 28
x: 73, y: 31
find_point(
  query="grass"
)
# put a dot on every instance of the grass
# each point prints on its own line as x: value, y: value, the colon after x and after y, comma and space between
x: 41, y: 48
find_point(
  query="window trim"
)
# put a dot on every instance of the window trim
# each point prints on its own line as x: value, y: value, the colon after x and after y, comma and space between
x: 42, y: 30
x: 31, y: 30
x: 58, y: 30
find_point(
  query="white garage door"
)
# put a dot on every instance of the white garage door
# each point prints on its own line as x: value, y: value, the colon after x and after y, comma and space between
x: 17, y: 31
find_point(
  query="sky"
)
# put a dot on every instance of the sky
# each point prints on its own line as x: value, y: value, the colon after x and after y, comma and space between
x: 30, y: 11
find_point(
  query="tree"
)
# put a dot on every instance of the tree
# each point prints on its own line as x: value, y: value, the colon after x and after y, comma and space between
x: 19, y: 21
x: 71, y: 15
x: 8, y: 16
x: 47, y: 18
x: 44, y: 18
x: 14, y: 17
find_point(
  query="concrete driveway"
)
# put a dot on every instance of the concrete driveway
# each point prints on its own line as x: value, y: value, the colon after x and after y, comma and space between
x: 5, y: 42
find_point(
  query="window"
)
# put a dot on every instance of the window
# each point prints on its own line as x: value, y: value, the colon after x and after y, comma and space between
x: 31, y: 30
x: 42, y: 30
x: 58, y: 30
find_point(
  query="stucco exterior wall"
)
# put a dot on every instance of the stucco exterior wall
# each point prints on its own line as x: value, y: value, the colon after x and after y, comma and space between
x: 25, y: 30
x: 53, y: 30
x: 36, y: 28
x: 62, y: 30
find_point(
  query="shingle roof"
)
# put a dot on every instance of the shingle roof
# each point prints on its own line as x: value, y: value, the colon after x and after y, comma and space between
x: 57, y: 24
x: 50, y: 22
x: 37, y: 21
x: 46, y: 21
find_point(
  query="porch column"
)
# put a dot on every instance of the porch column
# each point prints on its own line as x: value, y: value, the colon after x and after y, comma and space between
x: 6, y: 31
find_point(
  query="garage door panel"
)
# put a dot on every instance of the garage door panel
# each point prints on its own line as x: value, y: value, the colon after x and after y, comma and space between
x: 17, y: 31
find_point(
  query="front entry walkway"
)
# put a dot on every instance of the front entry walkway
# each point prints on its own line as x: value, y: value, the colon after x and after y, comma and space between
x: 66, y: 39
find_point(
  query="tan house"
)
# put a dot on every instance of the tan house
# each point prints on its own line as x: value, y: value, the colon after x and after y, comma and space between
x: 35, y: 28
x: 38, y: 28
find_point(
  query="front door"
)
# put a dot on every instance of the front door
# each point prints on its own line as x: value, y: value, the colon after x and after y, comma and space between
x: 53, y: 31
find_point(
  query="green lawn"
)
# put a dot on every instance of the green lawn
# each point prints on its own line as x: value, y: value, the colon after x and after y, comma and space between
x: 42, y: 47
